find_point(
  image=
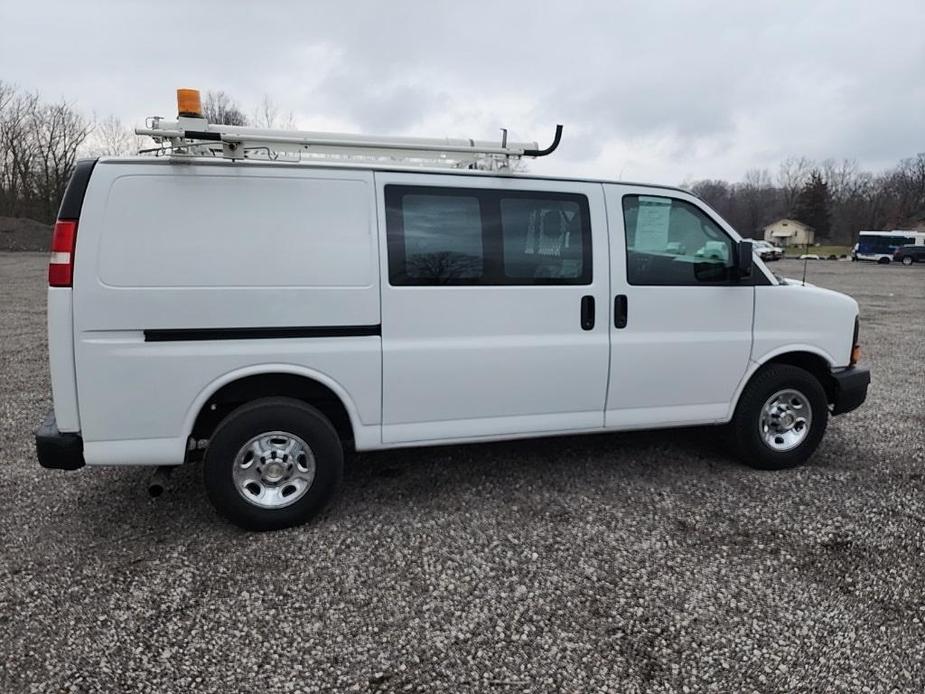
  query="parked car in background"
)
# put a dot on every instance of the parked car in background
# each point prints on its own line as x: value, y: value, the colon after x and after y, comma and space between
x: 767, y: 251
x: 909, y: 254
x: 810, y: 256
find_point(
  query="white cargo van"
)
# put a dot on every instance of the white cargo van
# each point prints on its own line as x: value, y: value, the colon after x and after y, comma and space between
x: 265, y: 315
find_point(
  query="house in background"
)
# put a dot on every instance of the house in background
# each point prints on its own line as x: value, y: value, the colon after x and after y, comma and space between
x: 789, y: 232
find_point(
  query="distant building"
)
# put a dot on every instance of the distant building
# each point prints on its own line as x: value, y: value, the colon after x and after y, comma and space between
x: 789, y: 232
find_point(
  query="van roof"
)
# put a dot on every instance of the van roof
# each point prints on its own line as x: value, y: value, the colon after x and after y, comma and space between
x: 373, y: 166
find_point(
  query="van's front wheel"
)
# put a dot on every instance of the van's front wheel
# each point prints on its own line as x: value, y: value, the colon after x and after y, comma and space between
x: 272, y: 463
x: 780, y: 419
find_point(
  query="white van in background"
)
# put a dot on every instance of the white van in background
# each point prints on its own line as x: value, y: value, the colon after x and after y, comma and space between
x: 265, y: 316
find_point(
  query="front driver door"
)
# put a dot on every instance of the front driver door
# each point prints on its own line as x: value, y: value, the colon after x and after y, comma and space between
x: 682, y: 328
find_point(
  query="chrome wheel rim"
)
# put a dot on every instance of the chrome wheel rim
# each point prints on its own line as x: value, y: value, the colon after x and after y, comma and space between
x: 274, y: 469
x: 785, y: 420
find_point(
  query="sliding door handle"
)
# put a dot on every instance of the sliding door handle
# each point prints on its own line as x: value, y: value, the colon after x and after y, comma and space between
x: 587, y: 312
x: 620, y: 311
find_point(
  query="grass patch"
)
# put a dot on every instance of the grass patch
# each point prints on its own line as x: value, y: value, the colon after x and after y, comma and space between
x: 821, y: 251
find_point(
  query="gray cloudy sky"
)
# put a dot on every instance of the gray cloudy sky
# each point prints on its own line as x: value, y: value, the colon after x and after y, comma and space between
x: 657, y: 91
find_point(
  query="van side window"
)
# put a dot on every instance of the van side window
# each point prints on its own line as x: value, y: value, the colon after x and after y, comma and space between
x: 543, y: 239
x: 442, y: 238
x: 672, y: 242
x: 460, y: 236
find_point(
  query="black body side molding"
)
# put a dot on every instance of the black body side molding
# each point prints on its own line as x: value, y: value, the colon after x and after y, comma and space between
x: 199, y: 334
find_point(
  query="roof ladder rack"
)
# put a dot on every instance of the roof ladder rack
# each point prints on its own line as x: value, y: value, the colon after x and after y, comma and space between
x: 191, y: 135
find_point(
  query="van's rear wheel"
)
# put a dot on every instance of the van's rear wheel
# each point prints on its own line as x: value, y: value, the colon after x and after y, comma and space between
x: 780, y: 419
x: 272, y: 463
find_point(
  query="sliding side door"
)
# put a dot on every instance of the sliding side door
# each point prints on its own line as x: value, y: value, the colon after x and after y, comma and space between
x: 494, y: 306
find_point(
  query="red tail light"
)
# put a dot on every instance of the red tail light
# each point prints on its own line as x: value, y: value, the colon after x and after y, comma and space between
x: 61, y: 262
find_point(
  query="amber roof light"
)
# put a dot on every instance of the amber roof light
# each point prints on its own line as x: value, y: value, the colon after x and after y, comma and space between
x: 189, y: 104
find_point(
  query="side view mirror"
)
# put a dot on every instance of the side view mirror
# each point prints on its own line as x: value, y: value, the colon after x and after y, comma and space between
x: 744, y: 251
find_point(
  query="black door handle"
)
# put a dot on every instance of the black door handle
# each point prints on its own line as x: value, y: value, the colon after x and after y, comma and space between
x: 620, y: 311
x: 587, y: 312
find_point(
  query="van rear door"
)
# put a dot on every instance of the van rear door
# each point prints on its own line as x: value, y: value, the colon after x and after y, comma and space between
x: 494, y: 306
x: 61, y: 299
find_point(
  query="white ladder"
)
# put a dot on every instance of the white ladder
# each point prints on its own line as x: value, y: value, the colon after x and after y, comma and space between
x: 196, y: 137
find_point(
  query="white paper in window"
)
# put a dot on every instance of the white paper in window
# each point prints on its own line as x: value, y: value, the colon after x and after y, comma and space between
x: 652, y: 224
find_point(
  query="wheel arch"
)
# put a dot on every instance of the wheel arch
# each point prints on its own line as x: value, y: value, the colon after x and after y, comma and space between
x: 232, y: 389
x: 812, y: 359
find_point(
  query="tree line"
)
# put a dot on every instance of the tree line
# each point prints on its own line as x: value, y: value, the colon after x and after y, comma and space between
x: 836, y: 198
x: 39, y: 145
x: 40, y: 142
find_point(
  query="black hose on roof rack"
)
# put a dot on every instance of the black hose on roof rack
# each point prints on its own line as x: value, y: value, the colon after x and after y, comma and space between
x: 549, y: 150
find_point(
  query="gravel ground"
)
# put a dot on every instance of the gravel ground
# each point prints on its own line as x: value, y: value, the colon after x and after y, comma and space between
x: 634, y: 562
x: 23, y: 234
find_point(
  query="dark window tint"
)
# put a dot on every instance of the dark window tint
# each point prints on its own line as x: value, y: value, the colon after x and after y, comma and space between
x: 542, y: 239
x: 489, y: 237
x: 672, y: 242
x: 442, y: 238
x: 877, y: 243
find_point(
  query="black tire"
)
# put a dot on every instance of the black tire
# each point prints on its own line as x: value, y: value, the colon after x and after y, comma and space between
x: 276, y: 414
x: 883, y: 261
x: 908, y: 260
x: 745, y: 426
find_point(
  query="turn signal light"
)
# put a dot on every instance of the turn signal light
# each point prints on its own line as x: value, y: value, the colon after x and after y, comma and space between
x: 855, y: 354
x: 189, y: 105
x: 856, y: 342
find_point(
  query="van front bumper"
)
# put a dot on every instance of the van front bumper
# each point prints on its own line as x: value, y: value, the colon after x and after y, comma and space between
x: 850, y: 388
x: 57, y: 450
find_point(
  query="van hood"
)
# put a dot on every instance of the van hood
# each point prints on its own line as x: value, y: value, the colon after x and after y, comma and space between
x: 798, y: 282
x: 798, y: 317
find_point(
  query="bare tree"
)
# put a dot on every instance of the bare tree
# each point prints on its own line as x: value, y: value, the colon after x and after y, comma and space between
x: 6, y: 95
x: 268, y: 115
x: 793, y: 174
x: 757, y: 202
x: 444, y: 266
x: 111, y: 138
x: 842, y: 177
x: 847, y: 186
x: 17, y: 150
x: 717, y: 194
x: 220, y: 108
x: 59, y: 132
x: 905, y: 187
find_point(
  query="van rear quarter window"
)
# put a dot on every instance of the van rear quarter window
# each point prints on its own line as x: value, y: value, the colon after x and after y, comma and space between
x: 237, y: 231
